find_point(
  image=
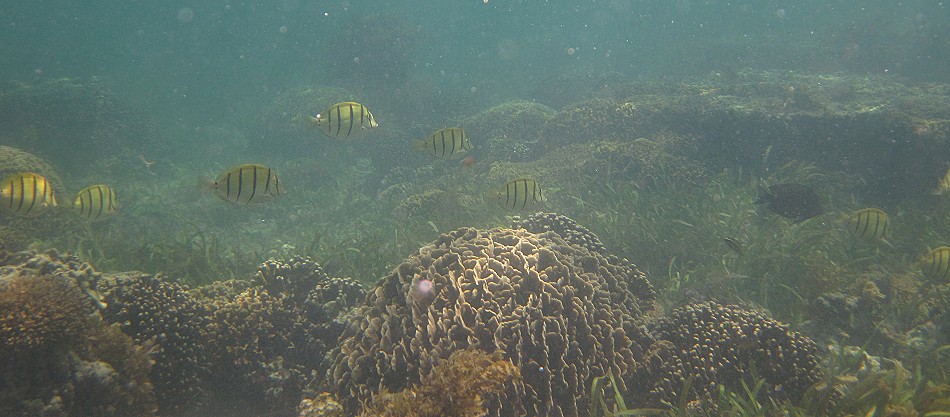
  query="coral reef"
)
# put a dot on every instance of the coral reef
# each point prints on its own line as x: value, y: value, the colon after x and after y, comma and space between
x: 58, y: 357
x: 152, y: 310
x: 509, y: 131
x: 41, y: 313
x: 564, y: 226
x: 707, y: 346
x: 560, y: 312
x: 323, y: 405
x: 606, y: 119
x: 267, y: 341
x: 66, y: 267
x: 418, y: 206
x: 457, y: 387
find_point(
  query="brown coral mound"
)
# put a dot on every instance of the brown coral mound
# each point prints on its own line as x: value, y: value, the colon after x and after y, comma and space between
x: 578, y: 235
x: 717, y: 346
x: 456, y: 388
x: 267, y: 340
x: 152, y: 310
x: 39, y: 313
x: 58, y: 359
x: 560, y: 312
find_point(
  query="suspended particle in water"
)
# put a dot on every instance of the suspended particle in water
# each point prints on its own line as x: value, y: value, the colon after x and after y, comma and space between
x: 356, y: 60
x: 283, y: 29
x: 485, y: 1
x: 186, y: 15
x: 780, y: 13
x: 571, y: 51
x: 474, y: 89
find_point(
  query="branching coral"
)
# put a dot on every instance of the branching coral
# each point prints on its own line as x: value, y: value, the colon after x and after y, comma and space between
x: 457, y: 387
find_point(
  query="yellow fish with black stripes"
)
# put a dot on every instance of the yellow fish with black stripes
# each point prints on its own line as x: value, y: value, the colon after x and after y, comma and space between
x: 344, y: 120
x: 936, y: 264
x: 96, y: 201
x: 871, y: 224
x: 519, y: 194
x: 246, y: 184
x: 26, y: 194
x: 448, y: 143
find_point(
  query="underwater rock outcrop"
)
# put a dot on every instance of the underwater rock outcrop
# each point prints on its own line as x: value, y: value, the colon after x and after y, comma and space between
x: 710, y: 346
x: 560, y: 312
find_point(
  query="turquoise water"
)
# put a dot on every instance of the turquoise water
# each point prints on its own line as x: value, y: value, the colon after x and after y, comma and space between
x: 197, y: 57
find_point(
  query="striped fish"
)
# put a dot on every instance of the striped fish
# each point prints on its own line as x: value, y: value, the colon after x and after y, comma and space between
x: 248, y: 184
x: 95, y: 201
x: 519, y: 194
x: 26, y: 194
x: 344, y: 120
x: 446, y: 143
x: 936, y: 264
x: 870, y: 224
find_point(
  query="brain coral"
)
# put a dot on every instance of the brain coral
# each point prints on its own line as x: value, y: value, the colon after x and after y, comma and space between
x: 561, y: 313
x: 717, y: 346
